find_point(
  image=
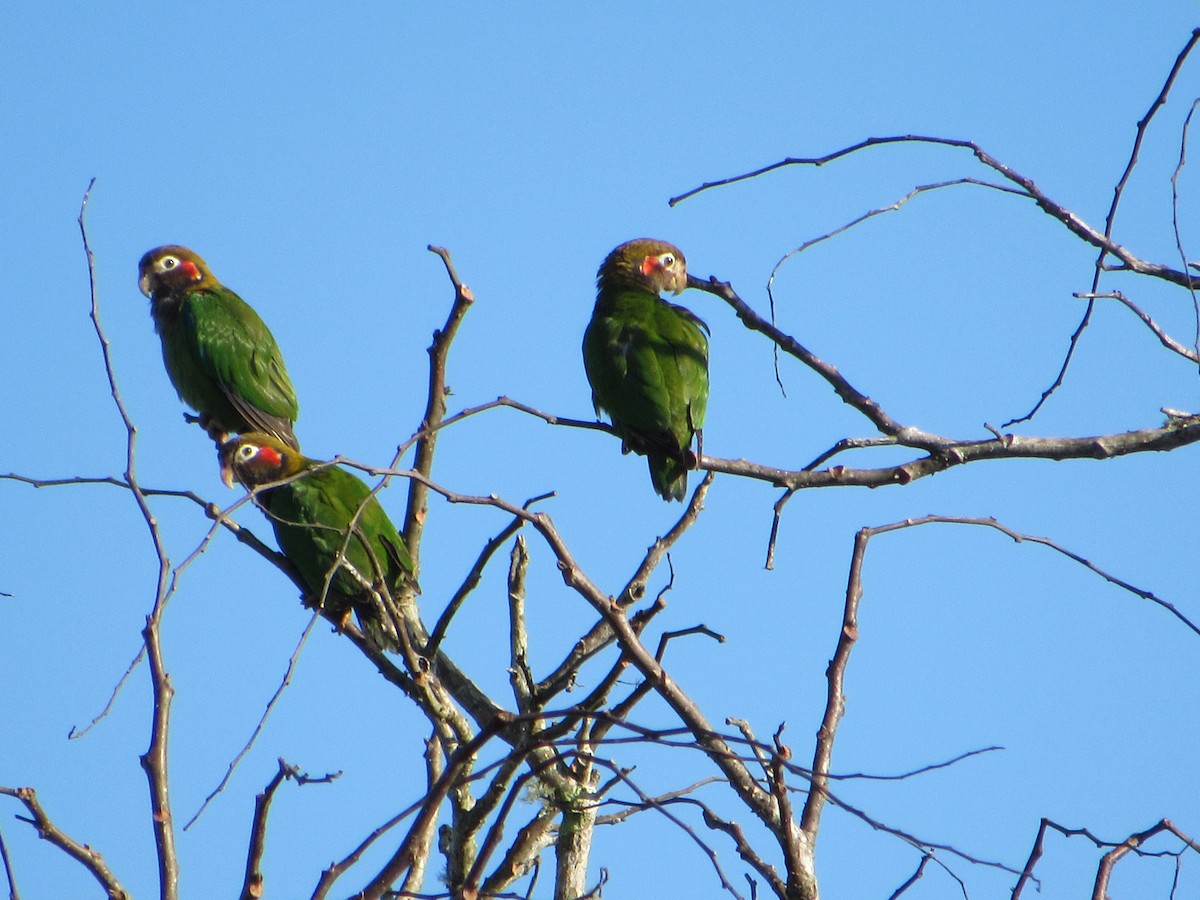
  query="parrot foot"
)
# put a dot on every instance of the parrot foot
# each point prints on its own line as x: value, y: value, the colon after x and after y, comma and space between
x: 339, y: 617
x: 214, y: 429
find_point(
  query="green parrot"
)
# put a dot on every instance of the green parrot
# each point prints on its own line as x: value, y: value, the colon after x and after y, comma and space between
x: 220, y: 357
x: 311, y: 516
x: 647, y: 359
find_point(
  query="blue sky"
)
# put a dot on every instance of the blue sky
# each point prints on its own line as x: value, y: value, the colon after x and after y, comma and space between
x: 311, y: 155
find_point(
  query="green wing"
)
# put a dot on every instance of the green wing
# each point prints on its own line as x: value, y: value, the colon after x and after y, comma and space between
x: 225, y: 362
x: 311, y: 516
x: 647, y: 362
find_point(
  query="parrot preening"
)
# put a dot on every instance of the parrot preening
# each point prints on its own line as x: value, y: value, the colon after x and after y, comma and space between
x: 221, y: 358
x: 647, y: 359
x: 312, y: 515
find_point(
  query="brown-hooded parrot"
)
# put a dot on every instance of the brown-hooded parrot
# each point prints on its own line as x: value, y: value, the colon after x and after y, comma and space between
x: 221, y: 358
x: 647, y: 359
x: 312, y: 515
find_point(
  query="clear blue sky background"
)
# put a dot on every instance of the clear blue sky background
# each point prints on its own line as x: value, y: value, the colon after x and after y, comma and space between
x: 311, y: 152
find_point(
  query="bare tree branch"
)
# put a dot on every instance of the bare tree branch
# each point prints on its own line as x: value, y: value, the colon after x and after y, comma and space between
x: 252, y: 885
x: 660, y: 806
x: 1103, y: 241
x: 402, y: 858
x: 912, y: 879
x: 1025, y: 187
x: 469, y: 584
x: 13, y: 893
x: 522, y: 853
x: 75, y: 733
x: 478, y: 745
x: 1183, y: 139
x: 154, y: 761
x: 1118, y: 849
x: 262, y: 721
x: 1106, y: 248
x: 1165, y: 339
x: 1132, y: 844
x: 600, y: 635
x: 435, y: 409
x: 82, y: 853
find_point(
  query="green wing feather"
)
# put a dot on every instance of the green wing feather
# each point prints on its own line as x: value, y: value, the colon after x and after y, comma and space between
x: 311, y: 517
x: 647, y: 362
x: 224, y: 361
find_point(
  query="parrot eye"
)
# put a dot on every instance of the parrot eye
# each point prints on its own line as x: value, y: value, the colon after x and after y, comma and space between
x: 246, y: 451
x: 667, y: 260
x: 168, y: 262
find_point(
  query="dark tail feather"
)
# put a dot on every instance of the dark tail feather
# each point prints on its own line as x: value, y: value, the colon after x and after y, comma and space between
x: 668, y: 475
x: 382, y: 636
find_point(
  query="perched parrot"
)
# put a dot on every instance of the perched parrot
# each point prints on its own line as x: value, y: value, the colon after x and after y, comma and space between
x: 311, y: 516
x: 647, y: 359
x: 220, y: 357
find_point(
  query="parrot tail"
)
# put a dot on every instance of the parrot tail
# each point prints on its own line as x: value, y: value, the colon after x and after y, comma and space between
x: 668, y: 475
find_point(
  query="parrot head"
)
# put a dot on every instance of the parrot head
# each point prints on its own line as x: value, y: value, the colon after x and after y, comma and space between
x: 645, y: 263
x: 171, y: 269
x: 255, y: 459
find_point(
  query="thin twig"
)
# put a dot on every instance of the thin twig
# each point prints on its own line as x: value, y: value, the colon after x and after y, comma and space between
x: 401, y: 859
x: 1107, y: 247
x: 75, y: 733
x: 600, y: 635
x: 913, y: 878
x: 870, y: 214
x: 660, y: 806
x: 438, y: 634
x: 1101, y: 240
x: 1165, y: 339
x: 262, y: 721
x: 13, y: 893
x: 1183, y: 139
x: 154, y: 761
x: 1132, y: 844
x: 1020, y: 537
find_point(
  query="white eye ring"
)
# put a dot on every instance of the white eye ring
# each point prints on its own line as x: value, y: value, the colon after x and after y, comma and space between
x: 167, y: 263
x: 247, y: 451
x: 667, y: 260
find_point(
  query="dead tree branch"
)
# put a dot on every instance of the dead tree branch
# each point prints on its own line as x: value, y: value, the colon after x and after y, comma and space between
x: 13, y: 893
x: 154, y: 761
x: 82, y: 853
x: 435, y: 409
x: 262, y: 721
x: 252, y: 885
x: 1116, y: 850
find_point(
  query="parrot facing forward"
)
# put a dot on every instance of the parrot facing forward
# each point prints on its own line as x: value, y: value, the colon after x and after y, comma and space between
x: 311, y: 516
x: 221, y: 358
x: 647, y: 359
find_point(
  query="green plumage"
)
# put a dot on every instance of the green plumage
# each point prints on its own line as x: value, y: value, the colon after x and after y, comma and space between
x: 647, y: 359
x: 311, y: 516
x: 221, y: 358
